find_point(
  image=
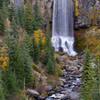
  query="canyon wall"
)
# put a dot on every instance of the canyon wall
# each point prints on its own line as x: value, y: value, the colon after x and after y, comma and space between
x: 86, y: 12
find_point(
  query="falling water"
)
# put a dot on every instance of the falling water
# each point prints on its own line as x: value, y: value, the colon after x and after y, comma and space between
x: 62, y: 33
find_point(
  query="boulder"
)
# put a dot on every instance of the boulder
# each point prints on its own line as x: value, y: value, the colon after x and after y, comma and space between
x: 33, y: 93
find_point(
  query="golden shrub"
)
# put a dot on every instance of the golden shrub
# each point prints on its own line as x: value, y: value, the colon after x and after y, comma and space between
x: 39, y: 34
x: 3, y: 57
x: 76, y: 11
x: 90, y: 39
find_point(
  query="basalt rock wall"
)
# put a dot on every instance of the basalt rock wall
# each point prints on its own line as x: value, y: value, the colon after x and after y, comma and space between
x: 86, y: 12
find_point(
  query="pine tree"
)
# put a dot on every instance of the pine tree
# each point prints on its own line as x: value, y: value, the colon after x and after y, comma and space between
x: 40, y: 42
x: 12, y: 13
x: 38, y: 20
x: 2, y: 26
x: 96, y: 88
x: 28, y: 18
x: 87, y: 78
x: 19, y: 67
x: 14, y: 29
x: 3, y: 15
x: 29, y: 78
x: 36, y: 51
x: 20, y: 17
x: 1, y: 4
x: 2, y: 94
x: 49, y: 59
x: 28, y: 43
x: 9, y: 76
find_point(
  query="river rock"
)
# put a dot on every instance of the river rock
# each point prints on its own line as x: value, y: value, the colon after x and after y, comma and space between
x: 73, y: 95
x: 0, y: 40
x: 59, y: 96
x: 33, y: 93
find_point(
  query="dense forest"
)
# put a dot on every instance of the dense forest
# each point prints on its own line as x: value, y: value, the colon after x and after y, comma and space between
x: 31, y: 69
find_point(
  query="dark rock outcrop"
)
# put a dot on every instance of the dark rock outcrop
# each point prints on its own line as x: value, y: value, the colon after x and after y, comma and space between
x: 88, y: 11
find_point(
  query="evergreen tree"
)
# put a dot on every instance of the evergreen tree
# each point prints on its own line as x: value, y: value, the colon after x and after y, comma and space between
x: 9, y: 74
x: 96, y: 88
x: 40, y: 42
x: 3, y: 16
x: 4, y: 12
x: 2, y: 95
x: 29, y: 78
x: 12, y: 13
x: 27, y: 43
x: 20, y: 17
x: 10, y: 82
x: 19, y: 67
x: 49, y: 59
x: 36, y: 51
x: 14, y: 29
x: 38, y: 20
x: 2, y: 26
x: 1, y: 4
x: 28, y: 18
x: 87, y: 78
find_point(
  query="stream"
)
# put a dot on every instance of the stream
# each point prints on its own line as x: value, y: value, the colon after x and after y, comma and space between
x: 70, y: 81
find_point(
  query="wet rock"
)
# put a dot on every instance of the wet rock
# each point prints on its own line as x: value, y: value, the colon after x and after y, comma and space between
x: 70, y: 80
x: 41, y: 98
x: 33, y: 93
x: 59, y: 96
x: 49, y: 87
x: 73, y: 95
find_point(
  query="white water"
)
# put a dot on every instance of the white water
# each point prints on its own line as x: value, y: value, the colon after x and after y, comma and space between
x: 62, y: 32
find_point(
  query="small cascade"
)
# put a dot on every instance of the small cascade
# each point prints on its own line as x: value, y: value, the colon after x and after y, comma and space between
x: 62, y: 31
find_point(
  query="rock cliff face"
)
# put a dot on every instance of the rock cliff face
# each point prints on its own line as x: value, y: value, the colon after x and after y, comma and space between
x: 87, y: 12
x: 46, y: 7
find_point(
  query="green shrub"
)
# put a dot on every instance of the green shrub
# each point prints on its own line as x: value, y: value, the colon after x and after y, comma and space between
x: 36, y: 68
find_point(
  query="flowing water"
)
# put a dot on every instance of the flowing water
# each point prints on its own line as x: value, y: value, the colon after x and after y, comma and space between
x: 62, y: 31
x: 70, y: 81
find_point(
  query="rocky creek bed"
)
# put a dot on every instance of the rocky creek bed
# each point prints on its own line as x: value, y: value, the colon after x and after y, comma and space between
x: 69, y: 80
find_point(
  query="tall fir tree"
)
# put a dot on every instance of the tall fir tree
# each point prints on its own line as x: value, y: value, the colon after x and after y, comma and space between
x: 3, y: 16
x: 14, y: 29
x: 9, y: 76
x: 49, y: 59
x: 2, y: 26
x: 28, y: 18
x: 96, y: 88
x: 38, y: 20
x: 36, y: 51
x: 12, y: 13
x: 87, y: 78
x: 29, y: 77
x: 2, y: 93
x: 1, y: 4
x: 20, y: 17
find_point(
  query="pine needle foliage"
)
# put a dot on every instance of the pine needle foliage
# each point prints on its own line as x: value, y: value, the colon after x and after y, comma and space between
x: 2, y: 93
x: 28, y: 18
x: 36, y: 51
x: 38, y: 20
x: 87, y: 78
x: 49, y: 59
x: 96, y: 88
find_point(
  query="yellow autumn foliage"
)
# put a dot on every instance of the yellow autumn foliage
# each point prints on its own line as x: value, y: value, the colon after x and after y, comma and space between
x: 76, y: 8
x: 39, y: 34
x: 3, y: 57
x: 90, y: 39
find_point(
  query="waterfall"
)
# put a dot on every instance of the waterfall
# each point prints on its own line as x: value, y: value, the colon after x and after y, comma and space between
x: 62, y: 30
